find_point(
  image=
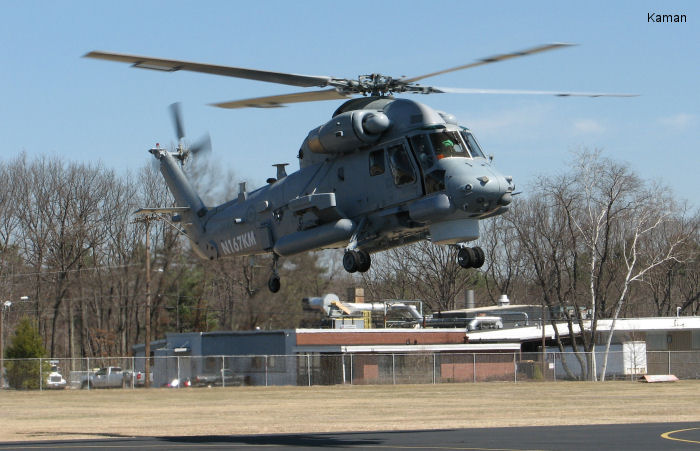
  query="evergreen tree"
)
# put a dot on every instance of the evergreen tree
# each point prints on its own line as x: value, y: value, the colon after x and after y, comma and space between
x: 26, y: 345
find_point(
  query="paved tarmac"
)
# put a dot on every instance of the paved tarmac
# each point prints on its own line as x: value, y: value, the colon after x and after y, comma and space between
x: 650, y: 436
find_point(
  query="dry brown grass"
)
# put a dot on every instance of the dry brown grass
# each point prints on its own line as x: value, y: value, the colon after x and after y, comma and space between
x: 260, y: 410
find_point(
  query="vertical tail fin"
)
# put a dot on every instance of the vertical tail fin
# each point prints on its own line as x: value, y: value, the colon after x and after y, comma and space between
x: 180, y: 187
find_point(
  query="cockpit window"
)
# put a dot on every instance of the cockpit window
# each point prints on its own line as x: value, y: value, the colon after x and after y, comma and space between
x: 474, y: 148
x: 448, y: 144
x: 424, y: 153
x: 401, y: 167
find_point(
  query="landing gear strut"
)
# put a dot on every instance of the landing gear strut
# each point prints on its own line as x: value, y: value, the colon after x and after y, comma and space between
x: 357, y: 261
x: 273, y: 283
x: 471, y: 257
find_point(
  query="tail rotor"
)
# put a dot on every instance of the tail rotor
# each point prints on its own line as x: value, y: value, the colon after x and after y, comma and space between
x: 183, y: 151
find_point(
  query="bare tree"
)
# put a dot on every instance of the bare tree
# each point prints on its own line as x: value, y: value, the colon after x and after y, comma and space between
x: 420, y: 271
x: 584, y: 239
x: 506, y: 269
x: 10, y: 195
x: 552, y: 259
x: 646, y: 245
x: 675, y: 284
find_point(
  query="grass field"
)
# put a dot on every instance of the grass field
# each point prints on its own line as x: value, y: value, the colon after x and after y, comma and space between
x: 263, y: 410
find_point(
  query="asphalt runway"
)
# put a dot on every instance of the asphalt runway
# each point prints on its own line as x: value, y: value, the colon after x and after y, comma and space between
x: 650, y: 436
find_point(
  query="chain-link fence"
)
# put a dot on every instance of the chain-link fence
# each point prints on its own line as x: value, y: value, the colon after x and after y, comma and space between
x: 332, y: 369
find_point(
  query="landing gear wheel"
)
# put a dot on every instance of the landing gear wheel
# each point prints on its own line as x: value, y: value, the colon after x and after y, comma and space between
x: 365, y: 261
x: 351, y: 261
x: 480, y: 257
x: 466, y: 257
x: 471, y: 257
x: 274, y: 283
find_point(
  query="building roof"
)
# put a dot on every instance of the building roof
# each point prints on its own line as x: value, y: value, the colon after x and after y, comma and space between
x: 642, y: 324
x: 530, y: 333
x: 398, y: 349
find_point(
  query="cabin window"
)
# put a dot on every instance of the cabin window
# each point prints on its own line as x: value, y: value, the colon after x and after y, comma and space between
x: 474, y: 148
x: 376, y: 162
x: 401, y: 167
x: 435, y: 181
x: 424, y: 154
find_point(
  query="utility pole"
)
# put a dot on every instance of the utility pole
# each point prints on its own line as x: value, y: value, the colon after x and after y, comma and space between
x: 146, y: 219
x: 147, y: 351
x: 146, y: 216
x: 2, y: 342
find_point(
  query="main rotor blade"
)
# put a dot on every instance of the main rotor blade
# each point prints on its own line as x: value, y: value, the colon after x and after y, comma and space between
x: 280, y: 100
x: 492, y: 59
x: 146, y: 62
x: 527, y: 92
x: 177, y: 120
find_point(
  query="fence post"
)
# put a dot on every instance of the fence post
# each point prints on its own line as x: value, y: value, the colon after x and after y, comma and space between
x: 308, y: 367
x: 88, y: 373
x: 265, y: 370
x: 669, y: 362
x: 393, y: 368
x: 515, y: 368
x: 41, y: 377
x: 350, y: 369
x: 223, y: 365
x: 133, y: 372
x: 434, y: 363
x: 554, y: 370
x: 474, y: 365
x: 343, y: 357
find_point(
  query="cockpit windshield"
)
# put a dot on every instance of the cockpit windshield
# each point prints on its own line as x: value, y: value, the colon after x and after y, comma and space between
x: 448, y: 144
x: 474, y: 148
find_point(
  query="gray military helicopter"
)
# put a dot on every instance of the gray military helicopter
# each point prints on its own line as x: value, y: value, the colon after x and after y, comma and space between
x: 382, y: 172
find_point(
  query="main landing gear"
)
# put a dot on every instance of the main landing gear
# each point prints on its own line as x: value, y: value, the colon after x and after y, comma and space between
x: 357, y: 260
x: 471, y: 257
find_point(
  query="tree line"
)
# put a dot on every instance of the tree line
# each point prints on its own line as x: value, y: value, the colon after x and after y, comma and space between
x: 594, y: 241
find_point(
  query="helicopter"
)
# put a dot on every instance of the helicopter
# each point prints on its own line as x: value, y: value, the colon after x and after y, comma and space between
x: 382, y: 172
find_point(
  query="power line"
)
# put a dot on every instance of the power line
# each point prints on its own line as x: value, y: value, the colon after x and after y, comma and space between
x: 94, y: 268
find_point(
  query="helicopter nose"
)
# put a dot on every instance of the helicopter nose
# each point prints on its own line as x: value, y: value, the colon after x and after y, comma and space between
x: 478, y: 189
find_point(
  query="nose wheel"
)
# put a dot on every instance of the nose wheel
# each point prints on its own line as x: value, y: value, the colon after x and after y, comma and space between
x: 357, y: 261
x: 471, y: 257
